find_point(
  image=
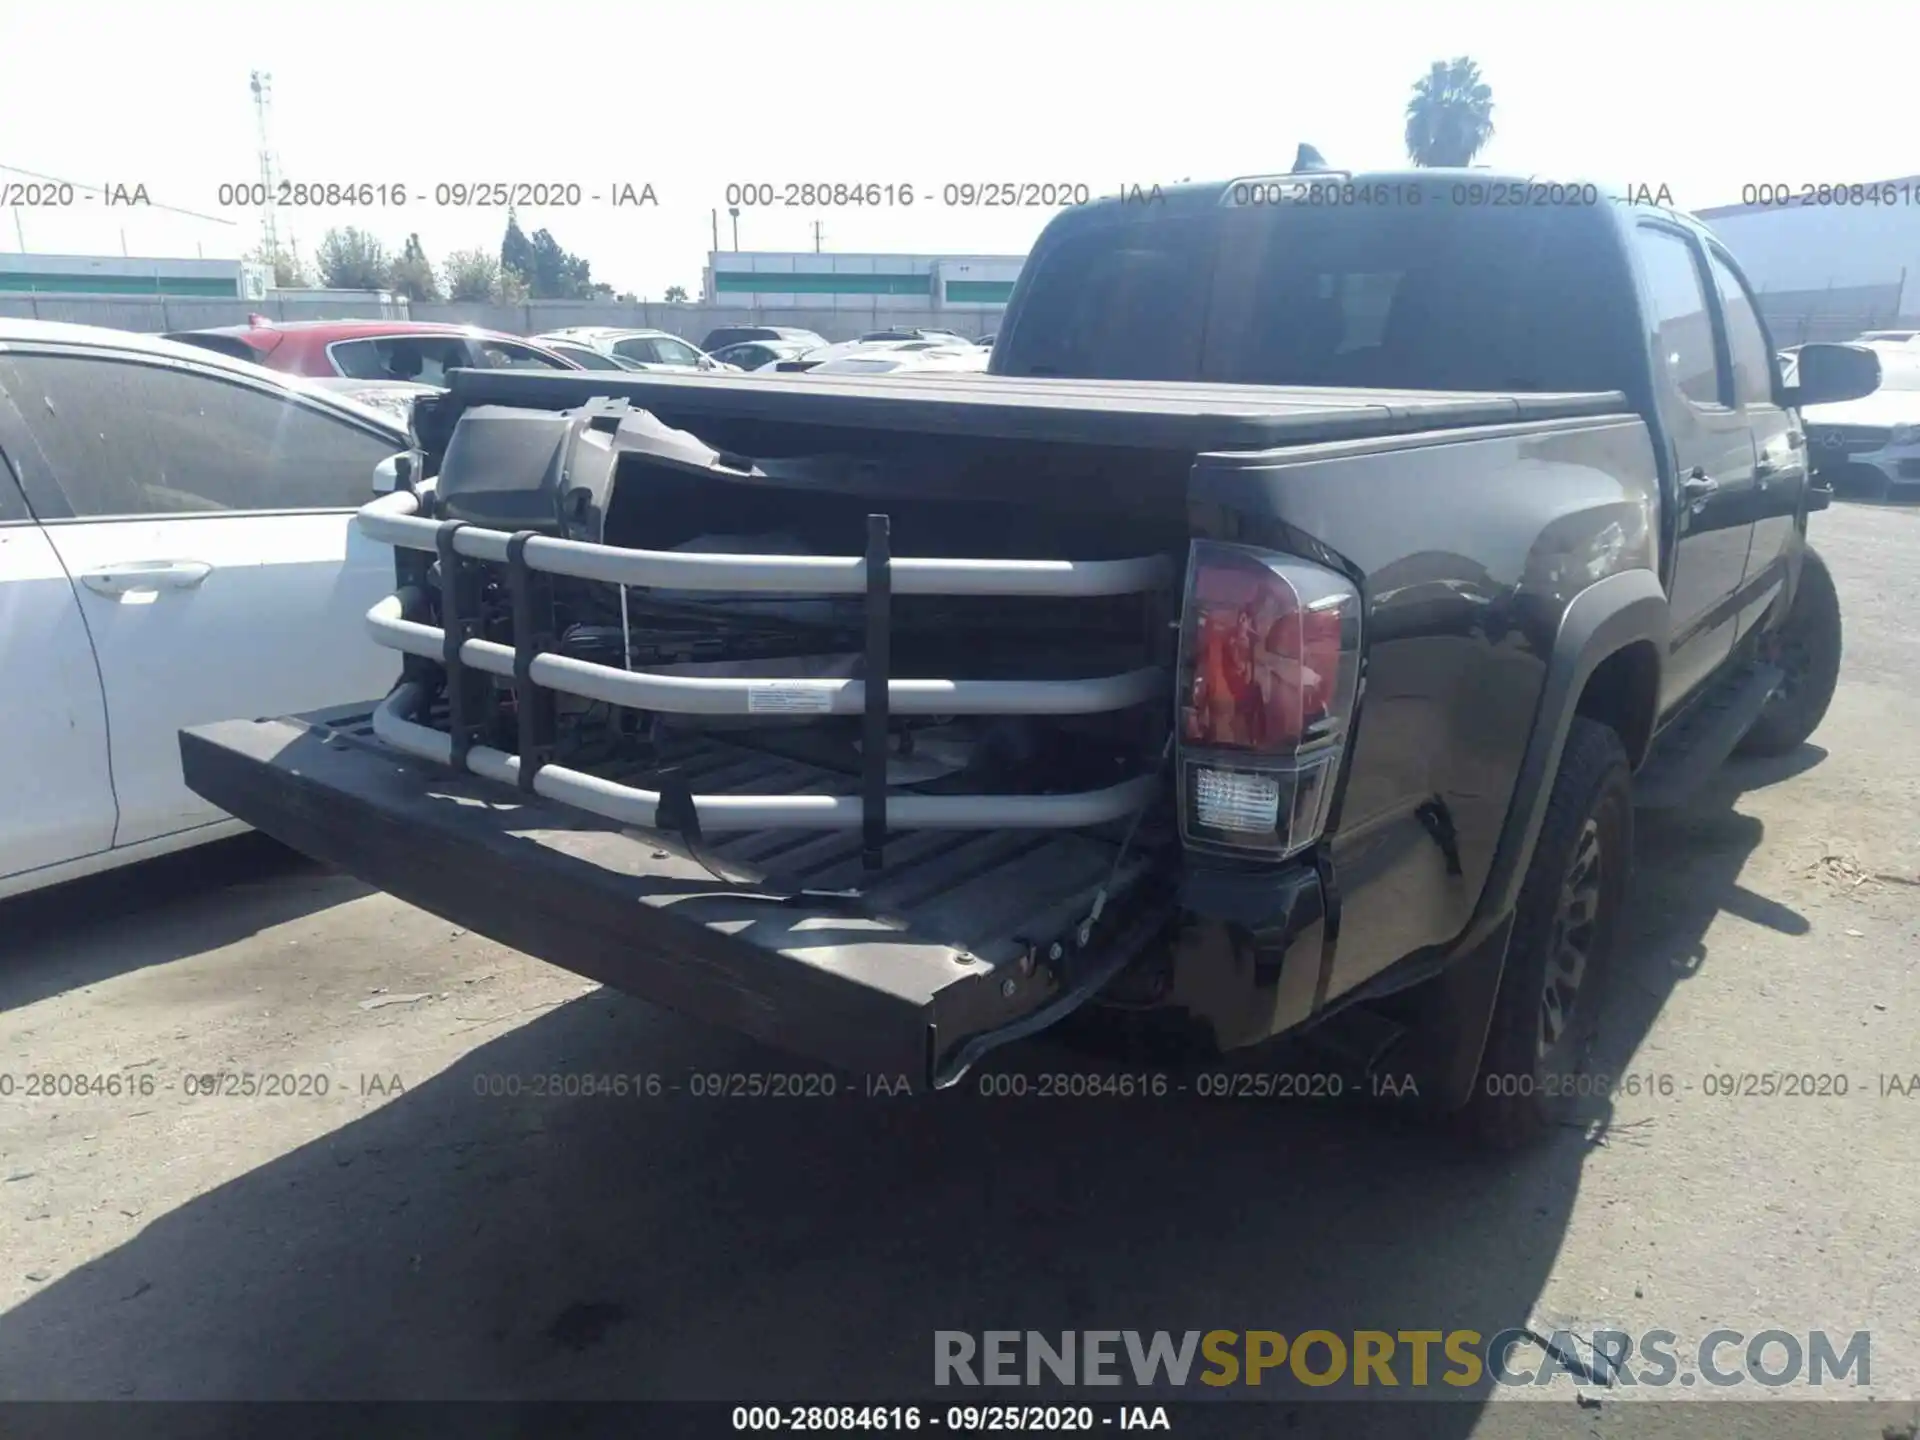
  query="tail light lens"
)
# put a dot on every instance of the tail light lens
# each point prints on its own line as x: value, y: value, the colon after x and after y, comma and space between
x: 1269, y: 669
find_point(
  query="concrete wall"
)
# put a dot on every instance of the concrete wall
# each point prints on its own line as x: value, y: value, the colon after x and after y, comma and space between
x: 844, y: 322
x: 154, y: 313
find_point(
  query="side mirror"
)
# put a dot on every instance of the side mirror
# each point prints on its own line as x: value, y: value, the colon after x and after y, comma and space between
x: 1828, y: 373
x: 393, y: 473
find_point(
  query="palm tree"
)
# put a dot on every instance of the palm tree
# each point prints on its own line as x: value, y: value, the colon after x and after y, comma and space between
x: 1450, y: 117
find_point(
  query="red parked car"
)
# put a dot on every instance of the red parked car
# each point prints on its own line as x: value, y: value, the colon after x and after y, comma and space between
x: 416, y: 350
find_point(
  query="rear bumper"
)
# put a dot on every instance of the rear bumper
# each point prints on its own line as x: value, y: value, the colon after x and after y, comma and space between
x: 862, y: 991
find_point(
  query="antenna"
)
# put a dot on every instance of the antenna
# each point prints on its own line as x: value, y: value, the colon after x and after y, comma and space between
x: 262, y: 85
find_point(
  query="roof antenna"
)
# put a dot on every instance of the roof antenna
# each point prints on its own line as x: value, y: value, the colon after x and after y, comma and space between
x: 1306, y: 160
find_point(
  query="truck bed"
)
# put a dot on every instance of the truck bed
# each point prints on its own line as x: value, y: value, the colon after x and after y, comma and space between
x: 1189, y: 417
x: 944, y: 953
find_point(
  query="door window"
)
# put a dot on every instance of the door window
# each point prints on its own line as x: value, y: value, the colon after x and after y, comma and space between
x: 1747, y: 342
x: 507, y: 355
x: 1683, y: 326
x: 424, y: 358
x: 675, y: 352
x: 124, y: 438
x: 639, y: 348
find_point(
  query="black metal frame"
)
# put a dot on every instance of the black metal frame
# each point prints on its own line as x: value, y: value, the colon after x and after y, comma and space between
x: 531, y: 594
x: 876, y: 671
x: 460, y: 622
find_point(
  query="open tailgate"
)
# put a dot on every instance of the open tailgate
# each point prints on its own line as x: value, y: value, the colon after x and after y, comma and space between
x: 947, y: 952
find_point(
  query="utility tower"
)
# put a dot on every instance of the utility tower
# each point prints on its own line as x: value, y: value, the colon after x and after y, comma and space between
x: 269, y: 169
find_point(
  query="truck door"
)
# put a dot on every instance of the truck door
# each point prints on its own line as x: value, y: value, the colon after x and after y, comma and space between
x: 1713, y: 458
x: 56, y: 803
x: 210, y: 540
x: 1780, y: 470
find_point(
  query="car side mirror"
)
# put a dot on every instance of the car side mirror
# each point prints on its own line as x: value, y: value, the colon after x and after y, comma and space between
x: 393, y: 473
x: 1828, y: 373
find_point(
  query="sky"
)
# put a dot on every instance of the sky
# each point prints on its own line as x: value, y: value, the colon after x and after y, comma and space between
x: 692, y: 97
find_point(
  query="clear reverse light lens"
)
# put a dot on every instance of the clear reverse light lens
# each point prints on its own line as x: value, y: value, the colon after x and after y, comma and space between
x: 1224, y: 800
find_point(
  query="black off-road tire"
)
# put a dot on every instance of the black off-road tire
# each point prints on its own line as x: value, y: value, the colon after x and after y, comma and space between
x: 1806, y: 647
x: 1529, y: 1080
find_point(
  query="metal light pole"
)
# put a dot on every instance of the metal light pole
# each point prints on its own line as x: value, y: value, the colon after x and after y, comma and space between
x: 734, y: 211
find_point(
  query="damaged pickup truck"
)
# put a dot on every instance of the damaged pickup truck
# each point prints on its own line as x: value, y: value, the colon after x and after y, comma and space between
x: 1278, y: 638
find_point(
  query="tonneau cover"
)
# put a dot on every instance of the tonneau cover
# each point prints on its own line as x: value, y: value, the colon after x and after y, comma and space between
x: 1158, y: 415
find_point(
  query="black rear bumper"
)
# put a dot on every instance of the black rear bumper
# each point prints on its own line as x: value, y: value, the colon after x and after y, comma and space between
x: 856, y: 987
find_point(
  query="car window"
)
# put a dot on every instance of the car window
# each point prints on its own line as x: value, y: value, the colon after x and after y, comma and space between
x: 425, y: 358
x: 1752, y: 380
x: 1684, y: 341
x: 588, y: 357
x: 124, y: 438
x: 1117, y: 302
x: 675, y: 352
x: 635, y: 348
x: 13, y: 505
x: 508, y: 355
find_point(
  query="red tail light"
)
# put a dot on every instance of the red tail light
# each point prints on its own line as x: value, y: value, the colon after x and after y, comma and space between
x: 1270, y: 656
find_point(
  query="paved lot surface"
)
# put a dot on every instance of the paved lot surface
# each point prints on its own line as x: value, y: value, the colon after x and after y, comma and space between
x: 408, y: 1234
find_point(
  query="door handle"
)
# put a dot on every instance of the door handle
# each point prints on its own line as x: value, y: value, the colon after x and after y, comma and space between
x: 1699, y: 485
x: 146, y: 575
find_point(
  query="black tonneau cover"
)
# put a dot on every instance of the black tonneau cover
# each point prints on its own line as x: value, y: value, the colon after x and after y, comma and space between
x: 1157, y: 415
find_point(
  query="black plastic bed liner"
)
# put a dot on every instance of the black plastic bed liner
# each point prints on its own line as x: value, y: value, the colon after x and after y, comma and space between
x: 1190, y: 417
x: 945, y: 954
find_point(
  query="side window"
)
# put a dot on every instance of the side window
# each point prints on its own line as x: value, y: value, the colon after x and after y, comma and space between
x: 425, y: 359
x: 13, y: 505
x: 1684, y: 341
x: 124, y: 438
x: 673, y: 352
x: 1752, y: 367
x: 504, y: 355
x: 636, y: 349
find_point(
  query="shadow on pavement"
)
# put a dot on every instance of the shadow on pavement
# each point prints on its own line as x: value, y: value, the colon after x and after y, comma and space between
x: 160, y: 910
x: 457, y: 1244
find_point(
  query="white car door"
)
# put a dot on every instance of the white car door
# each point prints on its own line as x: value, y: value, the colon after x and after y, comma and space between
x: 209, y: 536
x: 56, y: 802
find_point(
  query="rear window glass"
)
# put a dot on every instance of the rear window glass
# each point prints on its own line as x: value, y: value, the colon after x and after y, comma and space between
x: 1431, y: 296
x: 1118, y: 302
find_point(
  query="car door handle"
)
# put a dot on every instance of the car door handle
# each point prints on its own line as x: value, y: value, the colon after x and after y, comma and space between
x: 146, y: 575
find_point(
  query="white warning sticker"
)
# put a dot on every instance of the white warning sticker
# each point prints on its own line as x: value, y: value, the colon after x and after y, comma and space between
x: 791, y: 697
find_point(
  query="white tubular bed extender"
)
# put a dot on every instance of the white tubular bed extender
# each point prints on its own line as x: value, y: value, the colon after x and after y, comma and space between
x: 398, y: 722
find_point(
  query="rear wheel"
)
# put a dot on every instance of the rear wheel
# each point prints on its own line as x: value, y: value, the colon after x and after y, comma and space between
x: 1806, y: 648
x: 1547, y: 1008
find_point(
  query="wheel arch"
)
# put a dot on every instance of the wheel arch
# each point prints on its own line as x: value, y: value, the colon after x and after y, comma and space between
x: 1605, y: 664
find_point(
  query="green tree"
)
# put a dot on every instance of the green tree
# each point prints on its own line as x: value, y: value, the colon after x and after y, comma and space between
x: 676, y: 295
x: 475, y: 276
x: 288, y: 272
x: 516, y: 251
x: 1450, y: 117
x: 352, y: 259
x: 412, y: 274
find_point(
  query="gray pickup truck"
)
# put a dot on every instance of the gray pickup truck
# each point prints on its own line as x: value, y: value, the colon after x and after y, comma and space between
x: 1279, y: 638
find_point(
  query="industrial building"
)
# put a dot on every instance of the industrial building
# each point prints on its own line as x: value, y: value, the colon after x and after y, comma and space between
x: 132, y: 275
x: 1828, y: 266
x: 808, y: 280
